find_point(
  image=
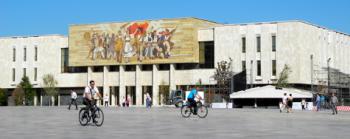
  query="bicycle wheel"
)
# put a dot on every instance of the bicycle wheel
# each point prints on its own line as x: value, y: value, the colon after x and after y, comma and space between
x: 186, y: 111
x: 99, y: 117
x: 202, y: 111
x: 84, y: 117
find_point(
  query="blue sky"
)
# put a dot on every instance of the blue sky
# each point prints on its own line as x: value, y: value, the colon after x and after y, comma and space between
x: 40, y: 17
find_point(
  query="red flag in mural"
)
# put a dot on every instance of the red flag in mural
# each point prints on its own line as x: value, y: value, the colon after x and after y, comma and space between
x: 138, y: 29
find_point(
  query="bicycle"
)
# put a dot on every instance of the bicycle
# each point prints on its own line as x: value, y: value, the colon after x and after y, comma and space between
x: 86, y: 115
x: 187, y: 110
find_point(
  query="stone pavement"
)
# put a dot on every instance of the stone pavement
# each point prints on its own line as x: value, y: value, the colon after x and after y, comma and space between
x: 167, y: 123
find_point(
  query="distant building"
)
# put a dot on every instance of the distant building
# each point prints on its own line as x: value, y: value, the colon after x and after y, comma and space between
x: 259, y: 52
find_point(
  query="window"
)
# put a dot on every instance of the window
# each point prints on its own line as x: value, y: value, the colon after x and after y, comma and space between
x: 24, y: 72
x: 273, y: 43
x: 186, y: 66
x: 77, y: 69
x: 13, y: 74
x: 258, y: 64
x: 64, y: 60
x: 130, y: 68
x: 35, y: 74
x: 113, y: 68
x: 164, y: 67
x: 208, y: 48
x: 258, y: 44
x: 36, y: 53
x: 243, y: 45
x: 243, y: 66
x: 97, y: 69
x: 273, y: 67
x: 14, y: 54
x: 25, y: 54
x: 147, y: 67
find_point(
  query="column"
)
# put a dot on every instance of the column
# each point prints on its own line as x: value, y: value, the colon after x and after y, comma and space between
x: 113, y: 96
x: 35, y: 100
x: 155, y: 86
x: 59, y: 100
x: 89, y: 75
x: 138, y: 85
x: 122, y: 92
x: 41, y: 99
x: 172, y: 85
x: 105, y: 83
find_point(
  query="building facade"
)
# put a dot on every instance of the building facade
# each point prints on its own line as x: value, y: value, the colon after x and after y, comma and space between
x: 259, y: 52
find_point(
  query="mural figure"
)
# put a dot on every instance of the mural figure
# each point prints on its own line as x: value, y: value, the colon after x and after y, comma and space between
x: 110, y: 46
x: 119, y: 43
x: 99, y: 50
x: 128, y: 49
x: 93, y: 44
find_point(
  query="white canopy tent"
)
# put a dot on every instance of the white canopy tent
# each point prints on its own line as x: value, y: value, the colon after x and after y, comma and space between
x: 269, y: 92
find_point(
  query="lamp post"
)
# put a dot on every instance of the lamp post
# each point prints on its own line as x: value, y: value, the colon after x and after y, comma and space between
x: 328, y: 87
x: 251, y: 73
x: 312, y: 74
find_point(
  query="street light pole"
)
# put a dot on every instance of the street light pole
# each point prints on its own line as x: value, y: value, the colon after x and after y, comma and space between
x: 251, y: 73
x: 312, y: 74
x: 328, y: 89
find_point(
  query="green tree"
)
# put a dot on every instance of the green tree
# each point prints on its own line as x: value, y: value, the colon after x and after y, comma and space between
x: 223, y: 75
x: 49, y: 86
x: 3, y: 98
x: 18, y: 95
x: 282, y: 81
x: 28, y: 90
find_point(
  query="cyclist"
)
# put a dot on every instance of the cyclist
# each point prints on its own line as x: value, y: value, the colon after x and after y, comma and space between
x: 191, y: 99
x: 89, y: 93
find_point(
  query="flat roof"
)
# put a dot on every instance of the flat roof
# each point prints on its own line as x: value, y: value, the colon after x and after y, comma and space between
x: 300, y: 21
x: 32, y: 36
x: 146, y: 20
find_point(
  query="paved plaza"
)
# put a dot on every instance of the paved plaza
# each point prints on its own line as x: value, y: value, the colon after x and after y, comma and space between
x: 167, y: 123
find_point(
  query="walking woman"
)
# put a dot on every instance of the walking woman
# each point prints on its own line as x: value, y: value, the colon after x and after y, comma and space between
x: 290, y: 103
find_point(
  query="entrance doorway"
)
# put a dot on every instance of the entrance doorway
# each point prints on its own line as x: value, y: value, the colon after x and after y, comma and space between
x: 131, y: 94
x: 163, y: 94
x: 114, y: 90
x: 145, y: 90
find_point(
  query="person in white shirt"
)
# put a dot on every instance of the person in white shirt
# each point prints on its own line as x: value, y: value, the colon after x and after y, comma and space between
x: 74, y: 96
x: 284, y: 102
x: 303, y: 104
x: 106, y: 99
x: 90, y: 94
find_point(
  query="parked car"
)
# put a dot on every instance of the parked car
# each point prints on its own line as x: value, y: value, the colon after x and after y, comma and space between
x: 176, y: 98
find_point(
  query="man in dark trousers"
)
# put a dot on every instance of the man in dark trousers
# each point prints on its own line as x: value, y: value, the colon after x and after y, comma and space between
x: 73, y: 99
x: 334, y: 103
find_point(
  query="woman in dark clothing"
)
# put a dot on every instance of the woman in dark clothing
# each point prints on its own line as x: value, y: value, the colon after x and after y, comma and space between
x: 290, y: 103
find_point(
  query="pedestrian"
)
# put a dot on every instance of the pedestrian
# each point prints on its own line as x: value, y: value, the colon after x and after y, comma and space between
x: 303, y: 104
x: 128, y: 101
x: 74, y: 96
x: 290, y: 103
x: 124, y: 100
x: 318, y: 102
x: 106, y: 99
x: 334, y: 103
x: 148, y: 101
x: 283, y: 106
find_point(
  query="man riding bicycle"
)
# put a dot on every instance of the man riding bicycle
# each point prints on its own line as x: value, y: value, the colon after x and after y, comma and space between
x: 191, y: 99
x: 89, y: 93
